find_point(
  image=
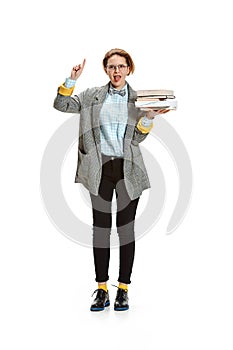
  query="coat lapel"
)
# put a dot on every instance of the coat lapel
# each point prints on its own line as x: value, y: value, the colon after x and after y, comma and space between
x: 132, y: 118
x: 97, y: 105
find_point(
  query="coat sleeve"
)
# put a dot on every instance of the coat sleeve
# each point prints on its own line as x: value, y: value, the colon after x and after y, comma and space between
x: 64, y: 102
x: 138, y: 136
x: 141, y: 132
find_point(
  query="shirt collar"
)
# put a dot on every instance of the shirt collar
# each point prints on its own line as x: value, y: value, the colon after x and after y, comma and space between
x: 111, y: 88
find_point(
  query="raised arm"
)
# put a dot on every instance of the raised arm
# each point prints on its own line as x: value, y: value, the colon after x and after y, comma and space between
x: 64, y: 102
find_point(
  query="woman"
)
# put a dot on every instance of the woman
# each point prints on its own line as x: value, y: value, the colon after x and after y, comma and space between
x: 109, y: 158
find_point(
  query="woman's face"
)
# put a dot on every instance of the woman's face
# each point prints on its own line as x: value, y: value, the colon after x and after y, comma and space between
x: 117, y: 70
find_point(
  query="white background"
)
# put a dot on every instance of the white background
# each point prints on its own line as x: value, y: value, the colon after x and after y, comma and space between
x: 181, y: 291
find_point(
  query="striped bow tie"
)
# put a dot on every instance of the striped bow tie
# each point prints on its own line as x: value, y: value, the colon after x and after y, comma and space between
x: 119, y: 92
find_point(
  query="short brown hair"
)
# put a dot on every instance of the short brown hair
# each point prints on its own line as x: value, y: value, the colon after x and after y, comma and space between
x: 121, y: 53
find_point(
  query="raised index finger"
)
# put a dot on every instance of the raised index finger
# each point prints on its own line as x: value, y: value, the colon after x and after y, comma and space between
x: 83, y: 64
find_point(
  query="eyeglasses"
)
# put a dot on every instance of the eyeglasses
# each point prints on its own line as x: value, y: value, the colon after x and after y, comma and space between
x: 119, y: 66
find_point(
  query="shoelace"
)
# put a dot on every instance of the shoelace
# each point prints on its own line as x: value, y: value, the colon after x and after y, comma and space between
x: 97, y: 291
x: 117, y: 286
x: 122, y: 295
x: 104, y: 291
x: 120, y: 288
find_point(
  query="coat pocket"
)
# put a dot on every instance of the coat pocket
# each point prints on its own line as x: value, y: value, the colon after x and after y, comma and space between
x: 83, y: 165
x: 138, y: 169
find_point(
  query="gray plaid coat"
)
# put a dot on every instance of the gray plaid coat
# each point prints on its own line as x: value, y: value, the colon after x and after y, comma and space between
x: 89, y: 165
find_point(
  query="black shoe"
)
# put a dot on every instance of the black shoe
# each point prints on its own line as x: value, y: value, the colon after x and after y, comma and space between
x: 101, y: 300
x: 121, y: 301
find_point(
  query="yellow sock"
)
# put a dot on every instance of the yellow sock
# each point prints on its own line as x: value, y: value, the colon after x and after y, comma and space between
x: 123, y: 286
x: 103, y: 286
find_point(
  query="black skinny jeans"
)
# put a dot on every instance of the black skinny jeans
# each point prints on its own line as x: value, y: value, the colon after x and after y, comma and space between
x: 112, y: 178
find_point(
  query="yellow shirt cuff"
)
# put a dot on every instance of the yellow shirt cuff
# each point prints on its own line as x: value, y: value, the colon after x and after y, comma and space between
x: 143, y: 129
x: 62, y: 90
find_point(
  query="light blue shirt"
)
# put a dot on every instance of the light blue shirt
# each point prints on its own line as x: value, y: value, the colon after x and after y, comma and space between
x: 113, y: 121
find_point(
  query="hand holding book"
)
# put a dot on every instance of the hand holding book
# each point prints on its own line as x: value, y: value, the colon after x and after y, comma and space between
x: 160, y: 101
x: 151, y: 113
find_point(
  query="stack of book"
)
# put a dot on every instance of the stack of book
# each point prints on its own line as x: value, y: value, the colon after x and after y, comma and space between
x: 156, y: 99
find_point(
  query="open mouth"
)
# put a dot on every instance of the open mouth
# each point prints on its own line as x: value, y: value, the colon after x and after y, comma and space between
x: 117, y: 78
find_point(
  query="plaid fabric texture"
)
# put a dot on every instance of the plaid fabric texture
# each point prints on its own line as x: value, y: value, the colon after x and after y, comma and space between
x: 69, y: 83
x: 146, y: 122
x: 113, y: 121
x: 89, y: 162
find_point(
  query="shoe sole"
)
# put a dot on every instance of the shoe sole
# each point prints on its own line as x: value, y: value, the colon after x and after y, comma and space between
x: 100, y: 308
x: 121, y: 308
